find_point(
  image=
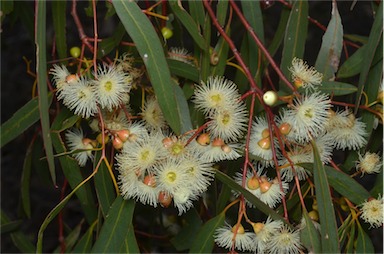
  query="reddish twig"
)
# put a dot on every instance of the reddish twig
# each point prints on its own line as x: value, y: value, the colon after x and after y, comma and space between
x: 260, y: 45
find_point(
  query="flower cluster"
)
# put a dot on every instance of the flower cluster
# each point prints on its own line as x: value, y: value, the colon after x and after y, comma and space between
x: 267, y: 237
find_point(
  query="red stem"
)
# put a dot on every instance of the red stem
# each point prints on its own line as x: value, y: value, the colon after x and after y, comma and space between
x: 260, y: 45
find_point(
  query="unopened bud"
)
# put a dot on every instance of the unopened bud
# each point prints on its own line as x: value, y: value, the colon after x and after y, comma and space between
x: 218, y: 142
x: 123, y: 134
x: 150, y: 180
x: 164, y: 198
x: 253, y: 183
x: 285, y: 128
x: 265, y: 143
x: 265, y: 186
x: 117, y: 143
x: 239, y: 228
x: 203, y: 139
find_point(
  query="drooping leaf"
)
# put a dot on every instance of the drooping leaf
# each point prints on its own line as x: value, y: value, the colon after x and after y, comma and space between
x: 149, y: 46
x: 25, y: 181
x: 184, y: 239
x: 71, y: 168
x: 328, y: 59
x: 363, y: 242
x: 352, y: 66
x: 70, y: 239
x: 41, y: 72
x: 59, y: 23
x: 375, y: 36
x: 203, y: 242
x: 84, y: 245
x: 184, y: 70
x: 108, y: 44
x: 116, y: 227
x: 342, y: 183
x: 337, y: 88
x: 309, y: 235
x: 104, y: 186
x: 329, y: 236
x: 24, y: 118
x: 295, y: 35
x: 188, y: 22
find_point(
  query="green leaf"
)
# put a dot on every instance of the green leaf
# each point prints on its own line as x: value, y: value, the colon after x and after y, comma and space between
x: 72, y: 170
x: 205, y: 55
x: 6, y: 8
x: 328, y: 59
x: 130, y: 243
x: 10, y: 226
x: 221, y: 51
x: 116, y: 227
x: 197, y: 11
x: 378, y: 187
x: 221, y: 12
x: 59, y: 23
x: 309, y: 235
x: 375, y: 36
x: 337, y: 88
x: 280, y: 31
x: 352, y: 66
x: 149, y: 46
x: 107, y: 45
x: 41, y: 72
x: 182, y: 109
x: 363, y: 242
x: 329, y: 237
x: 343, y: 184
x: 185, y: 237
x: 85, y: 243
x: 249, y: 196
x: 351, y: 239
x: 24, y: 118
x: 188, y: 23
x: 203, y: 241
x: 184, y: 70
x: 104, y: 186
x: 71, y: 239
x: 224, y: 196
x: 25, y: 181
x: 252, y: 13
x: 20, y: 240
x: 295, y: 36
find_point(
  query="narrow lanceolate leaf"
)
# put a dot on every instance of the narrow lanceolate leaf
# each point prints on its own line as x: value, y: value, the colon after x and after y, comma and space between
x: 204, y: 240
x: 21, y: 120
x: 373, y: 44
x: 252, y: 12
x: 41, y: 71
x: 70, y: 239
x: 149, y: 46
x: 182, y: 109
x: 343, y: 184
x: 295, y: 36
x: 59, y: 23
x: 25, y: 181
x: 309, y: 235
x: 249, y: 196
x: 328, y: 59
x: 183, y: 70
x: 337, y: 88
x: 352, y: 66
x: 116, y: 227
x: 363, y: 242
x: 186, y: 236
x: 188, y: 23
x: 329, y: 237
x: 84, y: 245
x: 104, y: 186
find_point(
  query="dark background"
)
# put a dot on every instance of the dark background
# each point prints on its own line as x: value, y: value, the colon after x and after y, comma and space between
x: 16, y: 90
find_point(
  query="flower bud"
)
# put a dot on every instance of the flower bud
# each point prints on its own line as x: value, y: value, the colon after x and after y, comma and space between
x: 164, y: 198
x: 117, y: 143
x: 166, y: 32
x: 226, y: 148
x: 75, y: 52
x: 265, y: 186
x: 265, y: 133
x: 314, y: 215
x: 167, y: 142
x: 257, y: 227
x: 123, y: 134
x: 240, y: 229
x: 285, y: 128
x: 270, y: 98
x: 253, y: 183
x: 265, y: 143
x: 218, y: 142
x: 72, y: 78
x: 150, y: 180
x: 203, y: 139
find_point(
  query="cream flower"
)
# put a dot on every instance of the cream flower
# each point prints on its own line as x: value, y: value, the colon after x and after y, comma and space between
x: 285, y: 241
x: 370, y: 163
x: 372, y: 212
x: 264, y: 233
x: 76, y: 141
x: 303, y: 75
x: 111, y: 87
x: 225, y: 237
x: 180, y: 54
x: 217, y: 94
x: 152, y: 114
x: 80, y: 97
